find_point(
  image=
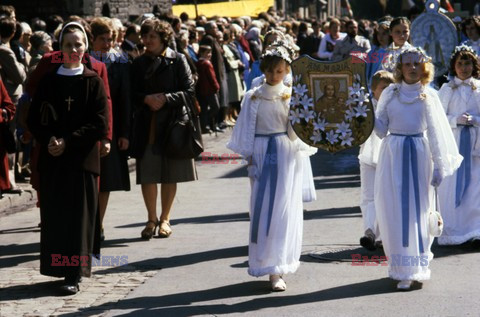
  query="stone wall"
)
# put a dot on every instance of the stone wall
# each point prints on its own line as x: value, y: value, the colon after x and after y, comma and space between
x: 123, y: 9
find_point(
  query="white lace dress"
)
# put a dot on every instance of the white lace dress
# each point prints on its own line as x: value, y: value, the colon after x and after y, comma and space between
x: 461, y: 221
x: 275, y: 241
x: 404, y: 195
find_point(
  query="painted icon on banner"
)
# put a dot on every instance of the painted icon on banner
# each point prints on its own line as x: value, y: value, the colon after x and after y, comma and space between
x: 330, y: 106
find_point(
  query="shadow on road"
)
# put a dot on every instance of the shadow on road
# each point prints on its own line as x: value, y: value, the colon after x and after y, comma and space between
x: 241, y: 216
x: 158, y: 263
x: 347, y: 212
x: 337, y: 182
x: 183, y: 304
x: 31, y: 291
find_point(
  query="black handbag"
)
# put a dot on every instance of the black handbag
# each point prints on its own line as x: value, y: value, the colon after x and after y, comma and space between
x: 8, y: 138
x: 183, y: 138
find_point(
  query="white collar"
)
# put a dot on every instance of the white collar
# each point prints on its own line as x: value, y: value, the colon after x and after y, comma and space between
x: 467, y: 81
x: 404, y: 47
x: 70, y: 71
x: 269, y: 92
x: 411, y: 87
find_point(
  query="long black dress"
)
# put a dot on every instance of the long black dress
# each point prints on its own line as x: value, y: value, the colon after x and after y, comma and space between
x: 114, y: 173
x: 72, y: 108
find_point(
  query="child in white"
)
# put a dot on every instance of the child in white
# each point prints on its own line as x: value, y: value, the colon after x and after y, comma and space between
x: 400, y: 32
x: 412, y: 114
x: 368, y: 158
x: 459, y: 194
x: 280, y: 169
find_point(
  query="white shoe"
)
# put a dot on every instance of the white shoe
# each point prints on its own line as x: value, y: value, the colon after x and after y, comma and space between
x: 278, y: 284
x: 404, y: 285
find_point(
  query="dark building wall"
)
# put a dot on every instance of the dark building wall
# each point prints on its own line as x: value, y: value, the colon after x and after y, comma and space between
x: 122, y: 9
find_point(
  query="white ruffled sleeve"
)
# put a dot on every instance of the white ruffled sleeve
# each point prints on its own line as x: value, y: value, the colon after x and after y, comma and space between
x: 445, y: 95
x: 243, y: 135
x: 381, y: 115
x: 444, y: 149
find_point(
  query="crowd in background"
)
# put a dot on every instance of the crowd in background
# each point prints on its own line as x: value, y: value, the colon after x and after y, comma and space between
x: 156, y: 63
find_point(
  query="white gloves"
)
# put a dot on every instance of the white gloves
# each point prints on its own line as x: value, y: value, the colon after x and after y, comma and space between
x: 436, y: 178
x: 472, y: 120
x: 463, y: 119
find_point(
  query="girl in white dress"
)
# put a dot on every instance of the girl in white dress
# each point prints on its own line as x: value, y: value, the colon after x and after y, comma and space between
x: 280, y: 170
x: 459, y: 194
x: 419, y: 133
x: 400, y: 33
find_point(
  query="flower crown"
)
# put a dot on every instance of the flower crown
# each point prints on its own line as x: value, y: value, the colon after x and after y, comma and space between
x: 280, y: 49
x: 385, y: 23
x: 424, y: 58
x: 463, y: 48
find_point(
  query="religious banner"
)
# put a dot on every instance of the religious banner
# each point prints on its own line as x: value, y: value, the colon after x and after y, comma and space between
x: 436, y: 34
x: 330, y: 107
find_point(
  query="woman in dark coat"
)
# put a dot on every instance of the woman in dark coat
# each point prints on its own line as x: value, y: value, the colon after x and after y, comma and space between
x: 114, y: 173
x: 159, y: 78
x: 68, y: 118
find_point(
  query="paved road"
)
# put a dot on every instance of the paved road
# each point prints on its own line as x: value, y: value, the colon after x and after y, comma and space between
x: 201, y: 269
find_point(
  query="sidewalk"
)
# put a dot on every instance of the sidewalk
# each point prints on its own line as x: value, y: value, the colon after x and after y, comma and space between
x: 201, y: 270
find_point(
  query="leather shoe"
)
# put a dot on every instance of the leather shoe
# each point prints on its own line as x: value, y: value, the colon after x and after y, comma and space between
x: 70, y: 289
x: 368, y: 241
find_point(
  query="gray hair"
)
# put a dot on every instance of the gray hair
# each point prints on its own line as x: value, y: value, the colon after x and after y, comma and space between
x: 38, y: 39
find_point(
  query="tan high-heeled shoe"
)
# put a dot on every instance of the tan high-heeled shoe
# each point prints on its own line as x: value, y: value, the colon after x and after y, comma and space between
x: 164, y: 230
x: 149, y: 230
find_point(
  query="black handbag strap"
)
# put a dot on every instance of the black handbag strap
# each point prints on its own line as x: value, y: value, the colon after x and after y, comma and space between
x: 188, y: 107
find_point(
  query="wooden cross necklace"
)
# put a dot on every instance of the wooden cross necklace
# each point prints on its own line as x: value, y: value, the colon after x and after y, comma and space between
x: 69, y: 100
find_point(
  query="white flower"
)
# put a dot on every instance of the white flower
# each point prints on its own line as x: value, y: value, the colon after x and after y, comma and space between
x: 343, y: 128
x: 297, y: 78
x: 346, y: 139
x: 319, y: 125
x: 355, y: 89
x: 307, y: 114
x: 294, y: 100
x: 306, y: 102
x: 361, y: 111
x: 294, y: 116
x: 349, y: 115
x: 332, y: 137
x: 351, y: 101
x: 356, y: 77
x: 362, y: 97
x: 300, y: 89
x: 316, y: 137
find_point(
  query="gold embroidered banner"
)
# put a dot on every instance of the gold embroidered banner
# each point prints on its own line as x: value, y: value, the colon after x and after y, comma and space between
x: 225, y: 9
x: 330, y: 107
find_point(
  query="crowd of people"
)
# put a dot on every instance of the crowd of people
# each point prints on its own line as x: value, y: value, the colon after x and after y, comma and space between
x: 82, y: 96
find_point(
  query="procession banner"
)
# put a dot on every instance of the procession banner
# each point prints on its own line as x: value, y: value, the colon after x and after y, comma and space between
x: 436, y: 34
x: 330, y: 107
x: 225, y: 9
